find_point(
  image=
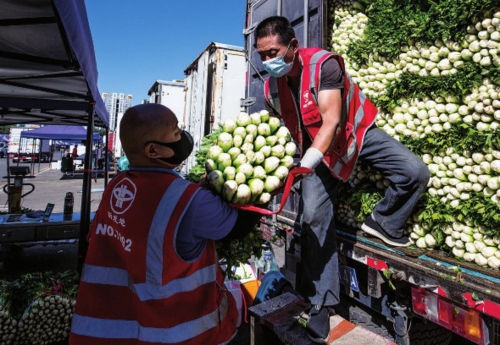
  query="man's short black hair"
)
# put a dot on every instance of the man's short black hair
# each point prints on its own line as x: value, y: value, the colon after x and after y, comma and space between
x: 275, y: 26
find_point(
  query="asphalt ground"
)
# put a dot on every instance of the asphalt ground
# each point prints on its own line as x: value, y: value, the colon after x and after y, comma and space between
x: 50, y: 186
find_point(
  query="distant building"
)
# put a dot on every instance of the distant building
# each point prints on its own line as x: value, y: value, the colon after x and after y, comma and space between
x: 171, y: 95
x: 116, y: 103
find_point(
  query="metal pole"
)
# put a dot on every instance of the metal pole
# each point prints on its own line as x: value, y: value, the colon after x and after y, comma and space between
x: 306, y: 23
x: 86, y: 190
x: 39, y: 153
x: 19, y: 150
x: 8, y: 173
x: 106, y: 158
x: 32, y: 163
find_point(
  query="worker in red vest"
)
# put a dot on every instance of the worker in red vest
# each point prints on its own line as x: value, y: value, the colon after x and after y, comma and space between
x: 332, y: 122
x: 74, y: 153
x: 151, y: 274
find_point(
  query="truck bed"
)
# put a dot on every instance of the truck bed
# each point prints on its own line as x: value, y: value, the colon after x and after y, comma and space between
x: 425, y: 268
x: 433, y: 270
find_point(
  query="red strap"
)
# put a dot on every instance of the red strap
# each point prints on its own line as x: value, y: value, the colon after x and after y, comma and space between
x: 286, y: 192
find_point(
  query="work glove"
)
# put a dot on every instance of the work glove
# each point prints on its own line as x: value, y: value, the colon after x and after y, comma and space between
x: 311, y: 158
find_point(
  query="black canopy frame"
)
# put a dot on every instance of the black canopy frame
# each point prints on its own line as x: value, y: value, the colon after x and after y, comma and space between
x: 48, y: 75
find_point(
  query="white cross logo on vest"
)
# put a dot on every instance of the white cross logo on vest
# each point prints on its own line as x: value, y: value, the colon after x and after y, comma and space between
x: 122, y: 196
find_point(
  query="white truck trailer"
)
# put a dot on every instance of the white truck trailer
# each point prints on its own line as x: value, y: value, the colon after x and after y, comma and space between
x: 215, y: 86
x: 170, y: 94
x: 26, y: 149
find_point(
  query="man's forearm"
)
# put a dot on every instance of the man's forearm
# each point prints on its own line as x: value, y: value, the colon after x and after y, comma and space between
x: 320, y: 146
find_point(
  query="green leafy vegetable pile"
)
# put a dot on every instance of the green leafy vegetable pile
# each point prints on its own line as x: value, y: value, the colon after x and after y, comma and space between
x: 433, y: 70
x: 37, y: 307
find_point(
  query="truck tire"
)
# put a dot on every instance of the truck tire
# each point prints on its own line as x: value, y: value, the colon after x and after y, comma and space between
x: 422, y: 332
x: 425, y: 332
x: 373, y: 322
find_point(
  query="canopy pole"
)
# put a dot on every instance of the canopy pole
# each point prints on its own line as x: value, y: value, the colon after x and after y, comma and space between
x: 32, y: 163
x: 39, y: 154
x: 106, y: 159
x: 86, y: 190
x: 8, y: 170
x: 306, y: 23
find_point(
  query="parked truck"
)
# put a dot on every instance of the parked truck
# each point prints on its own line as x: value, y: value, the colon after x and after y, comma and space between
x: 170, y: 94
x: 27, y: 150
x: 434, y: 290
x: 215, y: 86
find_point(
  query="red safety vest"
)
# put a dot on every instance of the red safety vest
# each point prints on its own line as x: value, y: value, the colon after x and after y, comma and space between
x: 358, y: 112
x: 134, y: 288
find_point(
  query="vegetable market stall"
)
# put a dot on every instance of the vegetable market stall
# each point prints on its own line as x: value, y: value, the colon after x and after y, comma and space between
x: 37, y: 307
x: 49, y: 73
x: 48, y: 76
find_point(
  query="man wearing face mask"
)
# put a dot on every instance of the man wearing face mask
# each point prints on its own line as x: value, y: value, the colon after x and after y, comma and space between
x: 151, y: 273
x: 332, y: 122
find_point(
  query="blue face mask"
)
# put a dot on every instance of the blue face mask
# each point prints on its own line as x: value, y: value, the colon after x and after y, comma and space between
x: 277, y: 67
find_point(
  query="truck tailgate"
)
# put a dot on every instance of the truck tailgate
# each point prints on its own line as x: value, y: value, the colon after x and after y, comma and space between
x: 430, y: 269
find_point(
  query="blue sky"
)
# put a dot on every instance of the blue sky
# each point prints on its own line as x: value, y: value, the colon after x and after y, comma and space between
x: 137, y: 42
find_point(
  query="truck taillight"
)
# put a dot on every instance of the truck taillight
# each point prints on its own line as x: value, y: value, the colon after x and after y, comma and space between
x: 472, y: 325
x: 431, y: 302
x: 444, y: 312
x: 418, y: 301
x: 461, y: 320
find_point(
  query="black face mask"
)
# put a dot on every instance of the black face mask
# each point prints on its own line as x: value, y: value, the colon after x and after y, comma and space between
x: 182, y: 148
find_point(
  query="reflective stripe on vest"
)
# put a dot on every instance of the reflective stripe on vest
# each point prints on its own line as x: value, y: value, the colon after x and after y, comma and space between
x: 119, y: 277
x: 357, y: 113
x: 152, y: 288
x: 126, y: 329
x: 312, y: 74
x: 156, y: 235
x: 351, y: 150
x: 360, y: 113
x: 272, y: 94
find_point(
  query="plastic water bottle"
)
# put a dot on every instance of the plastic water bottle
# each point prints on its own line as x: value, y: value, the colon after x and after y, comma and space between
x: 269, y: 261
x: 259, y: 267
x: 68, y: 205
x: 266, y: 262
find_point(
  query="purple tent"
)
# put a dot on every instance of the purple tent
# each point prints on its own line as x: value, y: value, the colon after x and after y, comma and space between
x: 59, y: 132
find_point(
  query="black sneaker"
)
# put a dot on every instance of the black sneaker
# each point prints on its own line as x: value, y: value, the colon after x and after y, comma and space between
x: 370, y: 226
x: 318, y: 325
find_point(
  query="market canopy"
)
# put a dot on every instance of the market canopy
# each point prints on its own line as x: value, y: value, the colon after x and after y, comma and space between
x: 59, y: 132
x: 48, y: 71
x: 48, y: 75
